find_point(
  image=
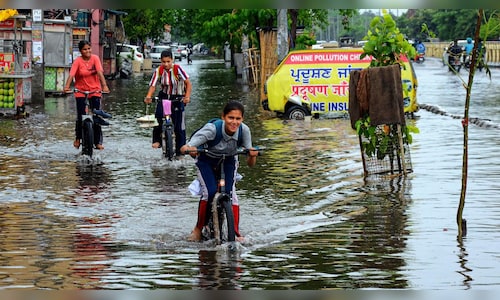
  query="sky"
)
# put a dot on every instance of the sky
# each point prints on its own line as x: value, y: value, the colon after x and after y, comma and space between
x: 396, y: 12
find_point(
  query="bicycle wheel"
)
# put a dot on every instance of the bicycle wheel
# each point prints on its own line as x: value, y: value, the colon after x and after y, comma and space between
x: 223, y: 219
x: 168, y: 143
x: 87, y: 138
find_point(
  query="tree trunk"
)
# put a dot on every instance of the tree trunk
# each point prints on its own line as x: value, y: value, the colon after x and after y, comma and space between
x: 294, y: 13
x: 282, y: 34
x: 462, y: 229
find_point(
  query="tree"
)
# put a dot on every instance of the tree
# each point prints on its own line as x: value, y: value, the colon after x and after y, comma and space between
x: 214, y: 26
x: 446, y: 24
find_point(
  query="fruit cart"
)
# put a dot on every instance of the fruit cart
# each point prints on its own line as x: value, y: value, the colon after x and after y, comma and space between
x: 15, y: 64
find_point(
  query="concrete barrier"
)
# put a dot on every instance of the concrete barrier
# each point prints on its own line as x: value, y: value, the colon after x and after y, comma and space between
x: 136, y: 66
x: 436, y: 49
x: 147, y: 64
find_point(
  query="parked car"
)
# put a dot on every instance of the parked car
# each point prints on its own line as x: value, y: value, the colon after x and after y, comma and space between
x: 361, y: 43
x: 177, y: 52
x: 318, y: 45
x: 183, y: 50
x: 130, y: 52
x: 156, y: 54
x: 201, y: 49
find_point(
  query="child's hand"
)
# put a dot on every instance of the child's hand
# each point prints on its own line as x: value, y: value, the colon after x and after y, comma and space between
x: 193, y: 151
x: 253, y: 152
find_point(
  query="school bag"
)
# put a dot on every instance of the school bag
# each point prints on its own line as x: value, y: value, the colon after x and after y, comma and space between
x: 218, y: 122
x: 176, y: 70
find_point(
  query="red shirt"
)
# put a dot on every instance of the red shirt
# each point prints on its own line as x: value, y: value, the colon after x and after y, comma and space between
x: 85, y: 74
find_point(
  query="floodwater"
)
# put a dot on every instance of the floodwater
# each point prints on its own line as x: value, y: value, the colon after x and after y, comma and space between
x: 310, y: 218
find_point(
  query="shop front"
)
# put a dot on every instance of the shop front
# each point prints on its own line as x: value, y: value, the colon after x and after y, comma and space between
x: 15, y: 64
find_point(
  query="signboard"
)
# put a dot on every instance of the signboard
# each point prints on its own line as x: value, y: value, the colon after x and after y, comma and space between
x: 323, y: 75
x: 319, y: 78
x: 37, y: 38
x: 9, y: 23
x: 37, y: 15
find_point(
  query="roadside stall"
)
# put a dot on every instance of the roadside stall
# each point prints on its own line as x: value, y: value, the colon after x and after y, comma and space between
x: 57, y: 53
x: 15, y: 64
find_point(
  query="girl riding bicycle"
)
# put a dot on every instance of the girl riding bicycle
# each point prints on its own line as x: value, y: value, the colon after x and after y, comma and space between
x: 174, y: 82
x: 232, y: 117
x: 88, y: 74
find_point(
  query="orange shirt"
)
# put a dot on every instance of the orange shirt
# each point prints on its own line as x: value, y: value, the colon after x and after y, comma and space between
x: 85, y: 74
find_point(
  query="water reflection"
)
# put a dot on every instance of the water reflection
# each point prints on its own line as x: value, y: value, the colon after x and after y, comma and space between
x: 94, y: 180
x: 360, y: 253
x: 219, y: 270
x: 462, y: 259
x: 310, y: 218
x: 93, y: 259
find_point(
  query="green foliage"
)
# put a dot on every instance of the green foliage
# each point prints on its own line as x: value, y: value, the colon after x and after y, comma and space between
x: 142, y: 23
x: 213, y: 27
x: 310, y: 18
x: 426, y: 31
x: 445, y: 24
x: 381, y: 140
x: 491, y: 26
x: 304, y: 40
x: 455, y: 24
x: 385, y: 43
x: 372, y: 140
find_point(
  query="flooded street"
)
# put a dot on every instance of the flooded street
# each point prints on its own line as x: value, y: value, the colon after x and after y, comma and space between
x: 310, y: 219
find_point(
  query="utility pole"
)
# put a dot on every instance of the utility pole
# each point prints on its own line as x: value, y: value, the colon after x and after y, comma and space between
x: 282, y: 47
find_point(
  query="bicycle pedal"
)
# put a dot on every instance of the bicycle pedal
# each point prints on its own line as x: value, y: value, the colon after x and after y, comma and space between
x: 102, y: 113
x: 100, y: 121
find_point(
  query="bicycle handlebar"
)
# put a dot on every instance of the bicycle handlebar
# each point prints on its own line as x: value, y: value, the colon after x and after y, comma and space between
x: 89, y: 92
x: 239, y: 151
x: 174, y: 98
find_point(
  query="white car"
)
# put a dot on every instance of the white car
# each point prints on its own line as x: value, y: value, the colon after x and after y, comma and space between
x: 130, y: 52
x: 176, y: 52
x: 155, y: 54
x: 183, y: 49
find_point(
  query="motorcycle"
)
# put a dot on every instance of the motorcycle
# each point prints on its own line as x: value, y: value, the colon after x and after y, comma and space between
x: 454, y: 62
x: 467, y: 61
x: 420, y: 58
x: 479, y: 62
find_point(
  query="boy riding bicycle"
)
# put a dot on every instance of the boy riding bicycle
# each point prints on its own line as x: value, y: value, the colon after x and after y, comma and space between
x: 174, y: 82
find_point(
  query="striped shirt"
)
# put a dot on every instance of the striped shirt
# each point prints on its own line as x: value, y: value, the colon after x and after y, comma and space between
x: 170, y: 84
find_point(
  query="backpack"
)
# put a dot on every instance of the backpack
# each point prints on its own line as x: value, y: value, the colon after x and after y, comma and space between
x: 176, y: 70
x: 218, y: 133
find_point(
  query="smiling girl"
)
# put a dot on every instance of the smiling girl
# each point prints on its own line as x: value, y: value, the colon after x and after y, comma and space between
x: 232, y: 118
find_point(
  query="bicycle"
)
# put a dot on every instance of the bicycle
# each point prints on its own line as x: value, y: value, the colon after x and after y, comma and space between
x: 220, y: 225
x: 91, y: 117
x: 167, y: 132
